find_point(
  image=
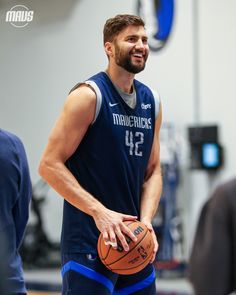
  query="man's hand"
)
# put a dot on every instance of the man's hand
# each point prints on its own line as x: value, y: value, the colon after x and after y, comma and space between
x: 149, y: 226
x: 111, y: 225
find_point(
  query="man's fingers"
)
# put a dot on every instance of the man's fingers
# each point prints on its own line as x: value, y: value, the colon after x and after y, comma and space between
x: 155, y: 246
x: 112, y: 239
x: 155, y: 242
x: 153, y: 258
x: 127, y: 231
x: 114, y: 245
x: 148, y: 225
x: 129, y: 217
x: 154, y: 252
x: 105, y: 237
x: 122, y: 239
x: 108, y: 241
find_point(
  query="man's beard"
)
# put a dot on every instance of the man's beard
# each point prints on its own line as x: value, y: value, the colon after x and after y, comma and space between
x: 125, y: 61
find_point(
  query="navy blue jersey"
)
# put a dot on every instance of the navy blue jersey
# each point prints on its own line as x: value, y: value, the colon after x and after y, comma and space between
x: 111, y: 161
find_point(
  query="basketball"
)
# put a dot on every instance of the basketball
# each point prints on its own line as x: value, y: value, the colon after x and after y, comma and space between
x: 138, y: 256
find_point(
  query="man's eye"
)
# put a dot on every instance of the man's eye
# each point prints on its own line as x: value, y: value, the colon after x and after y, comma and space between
x: 131, y: 39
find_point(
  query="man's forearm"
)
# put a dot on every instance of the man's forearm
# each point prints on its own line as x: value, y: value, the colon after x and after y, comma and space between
x: 62, y: 181
x: 151, y: 194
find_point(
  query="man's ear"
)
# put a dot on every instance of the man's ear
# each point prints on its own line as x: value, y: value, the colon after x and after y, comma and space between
x: 109, y: 49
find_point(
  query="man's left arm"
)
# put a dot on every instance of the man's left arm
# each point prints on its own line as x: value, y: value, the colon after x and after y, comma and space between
x: 152, y: 187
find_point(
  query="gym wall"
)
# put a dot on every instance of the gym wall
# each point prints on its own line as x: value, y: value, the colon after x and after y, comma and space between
x: 63, y: 45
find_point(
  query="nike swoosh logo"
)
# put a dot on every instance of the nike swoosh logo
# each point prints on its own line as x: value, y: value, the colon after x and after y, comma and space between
x: 113, y: 104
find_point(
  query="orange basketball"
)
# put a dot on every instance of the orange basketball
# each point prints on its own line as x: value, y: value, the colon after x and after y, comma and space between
x: 138, y: 256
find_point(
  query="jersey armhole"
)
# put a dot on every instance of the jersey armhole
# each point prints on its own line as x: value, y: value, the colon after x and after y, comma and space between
x: 98, y: 93
x: 157, y: 102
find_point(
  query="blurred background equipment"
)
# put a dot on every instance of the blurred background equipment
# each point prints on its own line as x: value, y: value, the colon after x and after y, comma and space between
x: 168, y: 222
x: 158, y: 16
x: 206, y: 151
x: 37, y: 249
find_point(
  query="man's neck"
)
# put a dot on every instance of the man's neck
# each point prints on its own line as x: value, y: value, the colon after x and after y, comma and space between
x: 121, y: 78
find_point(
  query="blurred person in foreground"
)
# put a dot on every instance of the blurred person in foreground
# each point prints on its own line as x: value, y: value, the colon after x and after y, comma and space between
x: 15, y: 195
x: 212, y: 267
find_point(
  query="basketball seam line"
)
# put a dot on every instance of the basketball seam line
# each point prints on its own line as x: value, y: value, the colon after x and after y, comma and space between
x: 135, y: 265
x: 130, y: 250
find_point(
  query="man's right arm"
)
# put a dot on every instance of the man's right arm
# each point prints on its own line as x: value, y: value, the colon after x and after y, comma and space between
x: 68, y: 132
x: 77, y: 115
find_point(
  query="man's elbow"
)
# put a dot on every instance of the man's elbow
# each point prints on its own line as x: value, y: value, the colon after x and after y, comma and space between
x: 44, y: 167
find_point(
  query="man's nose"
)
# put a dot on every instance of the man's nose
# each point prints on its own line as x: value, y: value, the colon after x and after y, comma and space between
x: 139, y: 44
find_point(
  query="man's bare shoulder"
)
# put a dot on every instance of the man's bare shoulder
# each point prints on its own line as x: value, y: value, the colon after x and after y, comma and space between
x: 84, y: 91
x: 81, y: 104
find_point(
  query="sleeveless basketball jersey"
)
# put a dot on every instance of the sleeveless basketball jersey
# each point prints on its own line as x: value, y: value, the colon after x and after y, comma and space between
x: 111, y: 161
